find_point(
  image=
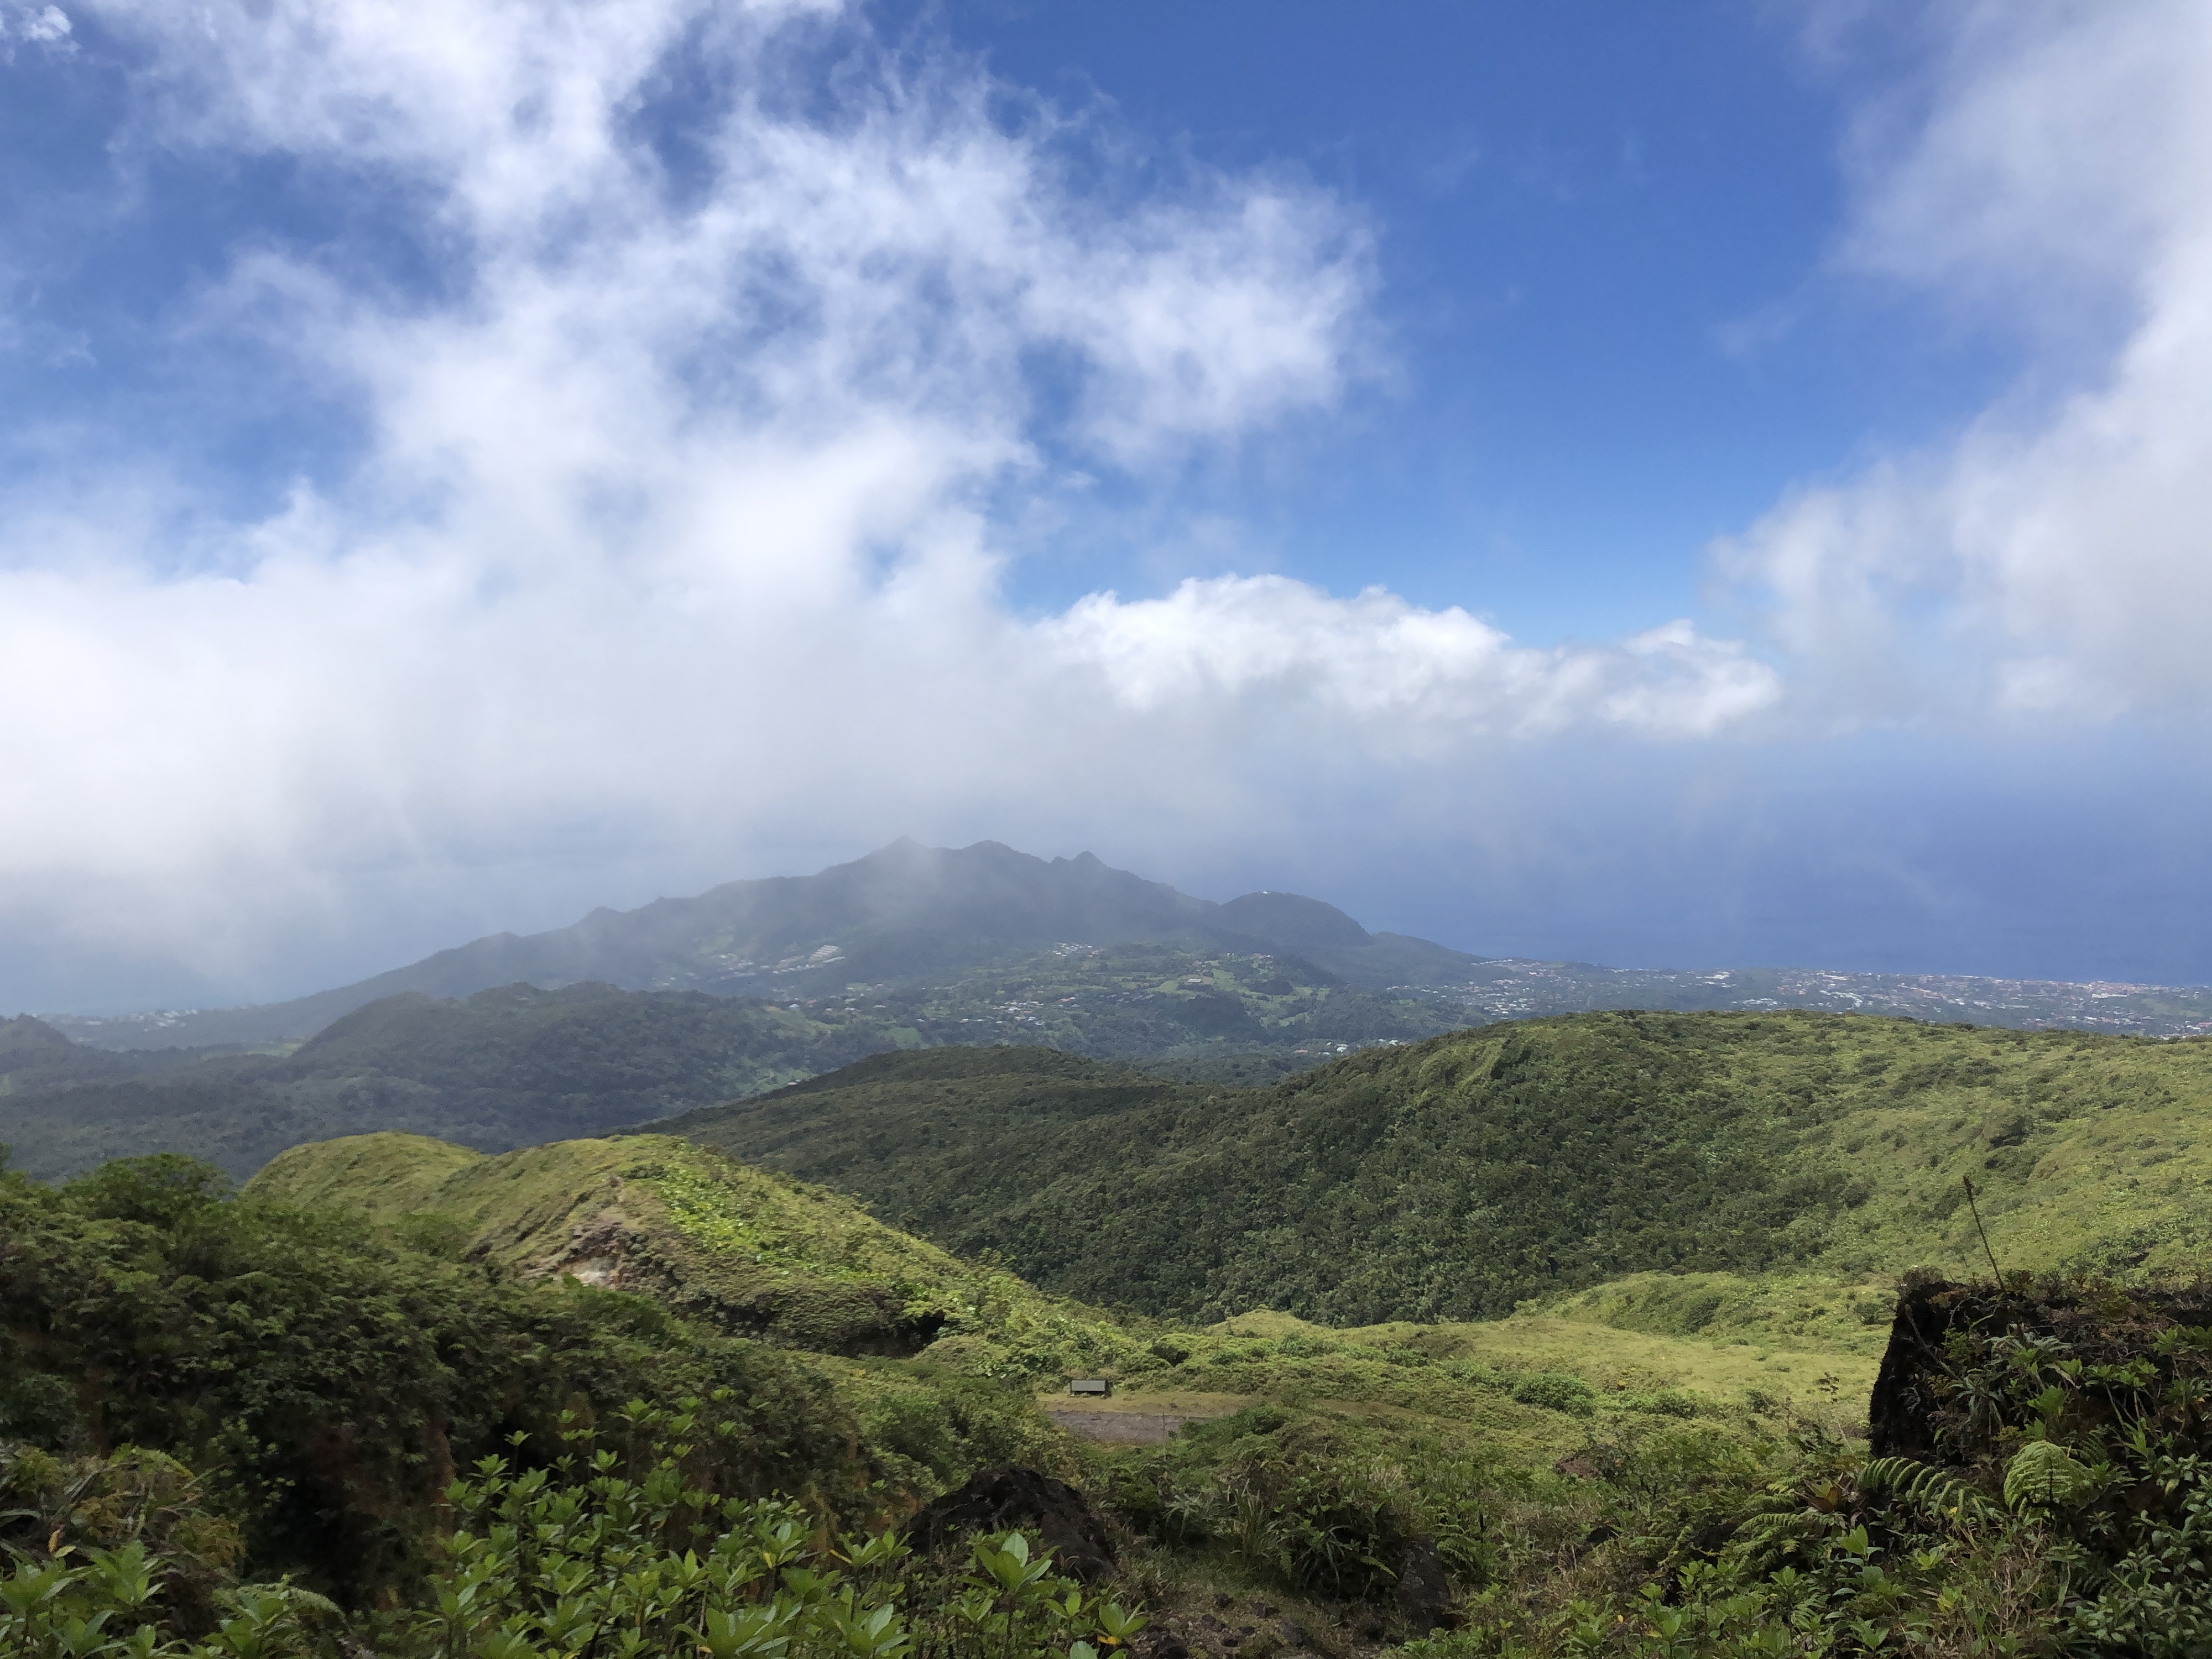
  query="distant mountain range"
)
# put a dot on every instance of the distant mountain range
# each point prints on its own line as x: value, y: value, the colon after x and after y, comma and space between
x: 910, y: 948
x: 910, y: 914
x: 906, y: 912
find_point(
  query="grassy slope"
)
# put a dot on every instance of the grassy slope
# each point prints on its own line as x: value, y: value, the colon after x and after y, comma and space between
x: 1780, y: 1166
x: 330, y: 1377
x: 763, y: 1254
x: 1481, y: 1385
x: 751, y: 1251
x: 1433, y: 1422
x: 1685, y: 1135
x: 1472, y: 1173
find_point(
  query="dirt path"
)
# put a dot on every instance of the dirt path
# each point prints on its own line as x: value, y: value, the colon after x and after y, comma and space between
x: 1122, y: 1428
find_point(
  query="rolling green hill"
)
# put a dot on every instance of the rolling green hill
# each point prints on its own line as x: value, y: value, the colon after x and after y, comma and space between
x: 747, y: 1251
x: 758, y: 1253
x: 329, y: 1349
x: 1460, y: 1177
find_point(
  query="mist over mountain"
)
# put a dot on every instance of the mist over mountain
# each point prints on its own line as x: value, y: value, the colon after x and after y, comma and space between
x: 903, y: 912
x: 909, y: 915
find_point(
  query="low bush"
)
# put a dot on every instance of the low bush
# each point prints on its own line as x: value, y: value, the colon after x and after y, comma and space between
x: 594, y: 1554
x: 1555, y: 1391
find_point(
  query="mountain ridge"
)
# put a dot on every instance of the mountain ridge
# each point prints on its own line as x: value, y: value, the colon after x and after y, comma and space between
x: 910, y: 914
x: 901, y: 912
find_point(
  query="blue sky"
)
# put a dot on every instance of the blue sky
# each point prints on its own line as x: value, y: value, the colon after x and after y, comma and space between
x: 1602, y: 233
x: 1713, y: 484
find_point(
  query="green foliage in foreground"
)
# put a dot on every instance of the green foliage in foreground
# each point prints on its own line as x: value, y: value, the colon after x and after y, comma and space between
x: 326, y: 1376
x: 2066, y: 1506
x: 592, y: 1555
x: 218, y: 1412
x: 579, y: 1560
x: 1460, y: 1177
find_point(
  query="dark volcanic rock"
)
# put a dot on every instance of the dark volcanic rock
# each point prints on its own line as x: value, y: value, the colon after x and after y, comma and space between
x: 999, y: 1499
x: 1424, y: 1597
x: 2098, y: 1323
x: 1900, y: 1415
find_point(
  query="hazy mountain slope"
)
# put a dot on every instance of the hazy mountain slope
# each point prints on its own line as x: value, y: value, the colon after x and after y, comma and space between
x: 904, y: 911
x: 505, y: 1067
x: 515, y: 1065
x: 908, y: 916
x: 33, y: 1055
x: 1462, y: 1177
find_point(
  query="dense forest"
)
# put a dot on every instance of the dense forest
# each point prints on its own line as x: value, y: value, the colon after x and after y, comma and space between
x: 1457, y: 1178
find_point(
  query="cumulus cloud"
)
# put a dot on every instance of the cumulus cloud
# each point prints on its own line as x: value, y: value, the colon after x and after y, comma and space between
x: 1434, y: 675
x: 2052, y: 176
x: 674, y: 518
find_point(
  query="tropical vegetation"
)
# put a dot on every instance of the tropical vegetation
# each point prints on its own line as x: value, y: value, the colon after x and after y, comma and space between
x: 1459, y: 1177
x: 629, y: 1394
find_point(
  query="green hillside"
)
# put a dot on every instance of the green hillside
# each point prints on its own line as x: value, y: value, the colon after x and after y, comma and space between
x: 747, y: 1251
x: 372, y: 1314
x: 326, y: 1380
x: 518, y: 1065
x: 1463, y: 1176
x: 758, y: 1254
x: 652, y: 1337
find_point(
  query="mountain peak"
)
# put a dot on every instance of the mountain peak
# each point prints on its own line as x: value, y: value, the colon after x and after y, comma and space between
x: 904, y: 910
x: 1292, y: 921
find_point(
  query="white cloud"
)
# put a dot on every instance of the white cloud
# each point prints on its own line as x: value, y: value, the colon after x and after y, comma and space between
x: 674, y: 523
x: 1430, y: 675
x: 2056, y: 560
x: 45, y: 26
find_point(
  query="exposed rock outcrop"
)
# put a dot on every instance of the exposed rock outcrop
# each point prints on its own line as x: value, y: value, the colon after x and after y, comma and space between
x: 1001, y: 1498
x: 1425, y: 1595
x: 2097, y: 1324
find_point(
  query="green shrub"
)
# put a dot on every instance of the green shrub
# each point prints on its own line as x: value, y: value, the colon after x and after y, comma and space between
x: 1665, y: 1402
x: 1555, y: 1391
x: 598, y: 1553
x: 330, y: 1376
